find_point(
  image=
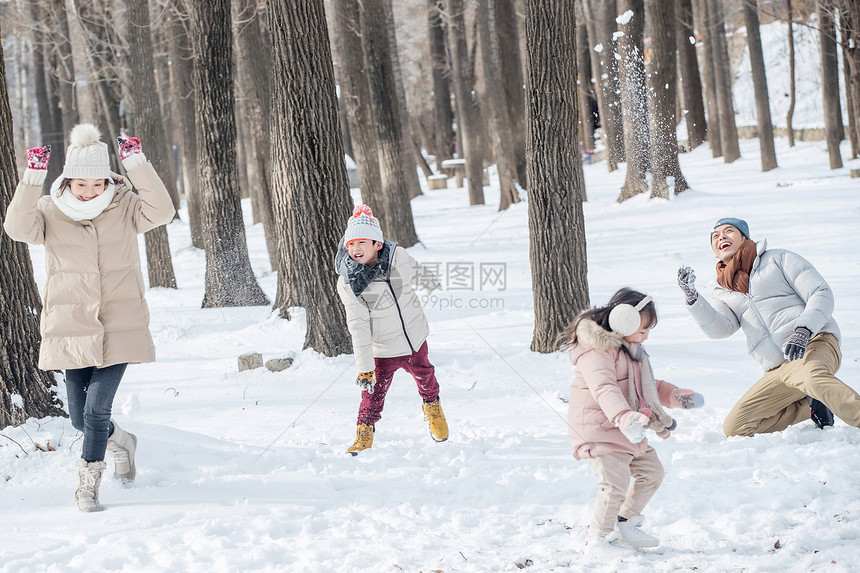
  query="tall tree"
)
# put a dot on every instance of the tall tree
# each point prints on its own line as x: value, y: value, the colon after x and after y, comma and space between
x: 850, y: 40
x: 311, y: 189
x: 253, y: 60
x: 467, y: 121
x: 701, y: 15
x: 600, y: 16
x: 501, y: 131
x: 102, y: 39
x: 634, y: 98
x: 149, y: 129
x: 585, y: 93
x: 410, y: 151
x: 64, y: 66
x: 791, y: 83
x: 25, y: 391
x: 442, y: 117
x: 762, y: 100
x: 723, y: 80
x: 355, y: 97
x: 833, y: 130
x: 50, y: 120
x: 556, y: 221
x: 386, y: 117
x: 694, y: 109
x: 230, y: 280
x: 182, y: 86
x: 665, y: 169
x: 512, y: 77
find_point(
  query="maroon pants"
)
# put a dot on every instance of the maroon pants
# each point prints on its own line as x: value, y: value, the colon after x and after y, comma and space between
x: 416, y: 364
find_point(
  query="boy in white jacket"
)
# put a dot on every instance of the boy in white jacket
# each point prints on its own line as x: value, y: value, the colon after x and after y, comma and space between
x: 784, y: 306
x: 387, y: 323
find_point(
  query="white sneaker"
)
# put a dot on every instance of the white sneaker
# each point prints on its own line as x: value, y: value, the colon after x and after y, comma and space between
x: 602, y: 549
x: 631, y: 536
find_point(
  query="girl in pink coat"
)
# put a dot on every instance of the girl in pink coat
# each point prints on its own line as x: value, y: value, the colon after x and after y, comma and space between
x: 614, y: 399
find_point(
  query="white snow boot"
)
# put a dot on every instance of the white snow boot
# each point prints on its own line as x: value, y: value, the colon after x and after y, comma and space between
x: 631, y: 535
x: 89, y: 479
x: 603, y: 550
x: 122, y: 445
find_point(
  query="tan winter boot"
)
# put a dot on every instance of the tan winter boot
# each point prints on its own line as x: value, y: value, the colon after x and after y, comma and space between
x: 438, y: 426
x: 89, y: 479
x: 363, y: 439
x: 122, y: 445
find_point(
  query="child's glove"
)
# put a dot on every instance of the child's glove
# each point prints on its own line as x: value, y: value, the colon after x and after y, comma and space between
x: 366, y: 381
x: 686, y: 399
x: 37, y: 165
x: 632, y: 425
x: 795, y: 348
x: 687, y: 280
x: 130, y: 152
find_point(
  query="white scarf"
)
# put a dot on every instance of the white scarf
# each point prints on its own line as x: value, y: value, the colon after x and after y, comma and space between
x: 78, y: 210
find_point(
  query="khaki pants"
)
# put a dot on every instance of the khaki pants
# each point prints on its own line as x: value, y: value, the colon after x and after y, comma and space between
x: 778, y: 399
x: 613, y: 473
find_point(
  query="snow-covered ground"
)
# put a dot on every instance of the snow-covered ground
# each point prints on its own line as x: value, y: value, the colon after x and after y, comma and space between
x: 248, y: 472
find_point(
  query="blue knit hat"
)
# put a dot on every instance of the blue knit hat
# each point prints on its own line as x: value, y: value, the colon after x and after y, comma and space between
x: 738, y: 224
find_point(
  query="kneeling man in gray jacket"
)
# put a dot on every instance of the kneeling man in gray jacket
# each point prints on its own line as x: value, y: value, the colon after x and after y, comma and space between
x: 784, y: 307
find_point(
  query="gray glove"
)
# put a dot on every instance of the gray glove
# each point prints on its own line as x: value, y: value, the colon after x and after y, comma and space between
x: 795, y: 347
x: 687, y: 280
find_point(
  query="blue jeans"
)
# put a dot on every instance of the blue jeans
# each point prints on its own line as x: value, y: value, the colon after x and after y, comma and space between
x: 91, y: 391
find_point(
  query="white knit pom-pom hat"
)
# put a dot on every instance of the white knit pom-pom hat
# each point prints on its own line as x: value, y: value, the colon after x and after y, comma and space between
x: 362, y: 225
x: 87, y: 156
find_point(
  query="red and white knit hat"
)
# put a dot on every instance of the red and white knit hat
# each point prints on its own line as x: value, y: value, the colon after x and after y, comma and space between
x: 362, y: 225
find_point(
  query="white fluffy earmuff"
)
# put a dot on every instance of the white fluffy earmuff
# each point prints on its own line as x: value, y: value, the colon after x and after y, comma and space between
x: 624, y: 318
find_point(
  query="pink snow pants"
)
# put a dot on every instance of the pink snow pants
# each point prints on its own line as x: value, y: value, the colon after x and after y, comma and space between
x: 415, y: 364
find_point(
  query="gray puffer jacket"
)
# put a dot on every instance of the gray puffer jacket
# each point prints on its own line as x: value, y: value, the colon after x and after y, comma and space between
x: 785, y: 292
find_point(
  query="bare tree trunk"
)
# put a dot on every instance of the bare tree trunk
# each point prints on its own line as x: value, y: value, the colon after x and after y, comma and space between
x: 850, y: 28
x: 389, y: 137
x: 306, y: 143
x: 723, y: 79
x: 64, y: 69
x: 50, y: 124
x: 830, y: 82
x: 759, y: 76
x: 410, y: 155
x: 149, y: 129
x: 512, y: 76
x: 701, y: 14
x: 665, y: 169
x: 254, y: 62
x: 25, y: 391
x: 230, y: 280
x: 441, y: 72
x: 634, y: 100
x: 584, y: 90
x: 467, y: 122
x: 501, y: 132
x: 96, y: 19
x: 556, y: 221
x: 694, y: 111
x: 791, y: 85
x: 605, y: 67
x: 355, y: 96
x: 182, y: 84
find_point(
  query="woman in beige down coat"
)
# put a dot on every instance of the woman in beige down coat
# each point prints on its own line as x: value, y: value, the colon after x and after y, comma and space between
x: 94, y: 319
